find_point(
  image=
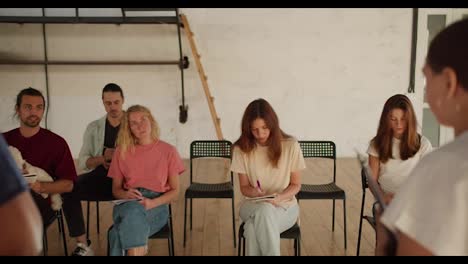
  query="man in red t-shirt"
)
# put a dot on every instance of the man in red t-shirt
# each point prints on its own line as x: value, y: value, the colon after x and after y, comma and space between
x: 49, y: 151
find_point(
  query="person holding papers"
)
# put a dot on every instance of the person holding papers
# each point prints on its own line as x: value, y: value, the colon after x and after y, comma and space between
x: 428, y: 213
x: 268, y: 163
x: 396, y: 149
x: 145, y: 171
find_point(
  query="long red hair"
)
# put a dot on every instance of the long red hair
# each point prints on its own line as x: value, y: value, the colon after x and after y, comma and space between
x: 410, y: 140
x: 260, y: 108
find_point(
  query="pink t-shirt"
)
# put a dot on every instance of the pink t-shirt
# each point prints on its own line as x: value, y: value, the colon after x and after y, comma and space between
x: 148, y: 166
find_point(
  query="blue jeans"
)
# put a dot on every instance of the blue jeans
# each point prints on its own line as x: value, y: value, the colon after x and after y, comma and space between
x: 133, y: 224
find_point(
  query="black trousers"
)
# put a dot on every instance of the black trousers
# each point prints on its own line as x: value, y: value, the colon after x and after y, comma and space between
x: 94, y: 186
x: 71, y: 209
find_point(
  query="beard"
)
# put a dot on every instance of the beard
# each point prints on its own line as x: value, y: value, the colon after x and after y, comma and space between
x: 31, y: 121
x: 114, y: 114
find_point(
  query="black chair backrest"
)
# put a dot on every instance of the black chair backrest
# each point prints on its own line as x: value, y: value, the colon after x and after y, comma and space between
x: 209, y: 149
x: 320, y: 149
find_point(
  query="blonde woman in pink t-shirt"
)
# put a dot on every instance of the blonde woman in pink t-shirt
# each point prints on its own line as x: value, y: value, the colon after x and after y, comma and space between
x: 146, y: 169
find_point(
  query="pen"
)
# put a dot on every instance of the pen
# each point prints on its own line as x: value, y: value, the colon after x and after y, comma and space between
x: 258, y: 185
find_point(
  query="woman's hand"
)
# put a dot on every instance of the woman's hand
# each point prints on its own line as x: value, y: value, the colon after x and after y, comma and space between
x: 148, y: 203
x: 276, y: 201
x: 133, y: 194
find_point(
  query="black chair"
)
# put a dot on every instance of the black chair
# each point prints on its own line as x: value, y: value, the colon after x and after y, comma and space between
x: 292, y: 233
x: 329, y: 191
x: 165, y: 233
x: 61, y: 227
x: 369, y: 219
x: 209, y: 149
x: 87, y: 218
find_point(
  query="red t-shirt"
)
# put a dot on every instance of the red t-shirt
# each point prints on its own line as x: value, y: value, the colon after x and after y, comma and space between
x: 45, y: 150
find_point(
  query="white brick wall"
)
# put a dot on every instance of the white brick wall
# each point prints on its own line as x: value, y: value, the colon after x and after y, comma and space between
x: 327, y: 72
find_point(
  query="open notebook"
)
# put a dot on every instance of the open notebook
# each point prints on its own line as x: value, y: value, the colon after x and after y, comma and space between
x: 261, y: 198
x: 121, y: 201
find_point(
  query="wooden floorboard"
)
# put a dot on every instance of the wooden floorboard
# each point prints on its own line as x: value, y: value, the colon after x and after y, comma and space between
x: 212, y: 218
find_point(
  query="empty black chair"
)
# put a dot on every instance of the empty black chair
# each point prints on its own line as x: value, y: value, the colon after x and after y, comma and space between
x: 209, y: 149
x: 323, y: 149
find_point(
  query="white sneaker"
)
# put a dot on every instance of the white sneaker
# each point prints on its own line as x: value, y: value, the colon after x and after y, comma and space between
x: 82, y: 250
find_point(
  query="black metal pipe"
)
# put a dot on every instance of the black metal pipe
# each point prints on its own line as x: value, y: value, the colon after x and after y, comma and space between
x: 46, y: 69
x: 38, y: 62
x: 414, y: 41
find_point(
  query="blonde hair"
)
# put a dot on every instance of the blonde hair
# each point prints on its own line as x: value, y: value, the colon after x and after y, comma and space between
x: 125, y: 139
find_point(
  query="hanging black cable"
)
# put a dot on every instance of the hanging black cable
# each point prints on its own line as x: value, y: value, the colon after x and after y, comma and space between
x: 46, y: 71
x: 183, y: 114
x: 414, y: 41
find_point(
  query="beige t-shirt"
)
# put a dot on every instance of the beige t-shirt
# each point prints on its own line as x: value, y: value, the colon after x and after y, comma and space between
x: 257, y: 166
x: 395, y: 171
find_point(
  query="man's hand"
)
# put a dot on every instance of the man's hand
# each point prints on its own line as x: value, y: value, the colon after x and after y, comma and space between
x: 108, y: 153
x: 36, y: 187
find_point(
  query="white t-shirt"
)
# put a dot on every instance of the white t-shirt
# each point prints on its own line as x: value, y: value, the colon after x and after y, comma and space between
x: 432, y: 206
x: 395, y: 171
x: 257, y: 166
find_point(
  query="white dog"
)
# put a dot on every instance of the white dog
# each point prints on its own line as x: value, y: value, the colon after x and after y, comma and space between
x: 41, y: 175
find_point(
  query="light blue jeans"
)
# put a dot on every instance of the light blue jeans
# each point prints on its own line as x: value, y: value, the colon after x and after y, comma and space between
x: 263, y: 224
x: 133, y: 224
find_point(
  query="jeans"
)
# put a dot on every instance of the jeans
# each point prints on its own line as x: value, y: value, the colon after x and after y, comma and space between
x: 133, y: 224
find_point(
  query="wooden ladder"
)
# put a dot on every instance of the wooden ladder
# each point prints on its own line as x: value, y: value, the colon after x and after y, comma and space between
x: 203, y: 77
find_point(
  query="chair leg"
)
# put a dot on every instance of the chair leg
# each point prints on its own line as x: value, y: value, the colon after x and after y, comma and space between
x: 169, y: 246
x: 65, y: 249
x: 299, y: 246
x: 295, y: 247
x: 333, y: 217
x: 360, y: 226
x: 344, y: 224
x: 87, y: 221
x: 97, y: 216
x: 239, y: 246
x: 185, y: 219
x: 191, y: 213
x: 171, y: 235
x: 60, y: 226
x: 45, y: 245
x: 233, y: 222
x: 108, y: 245
x: 243, y: 246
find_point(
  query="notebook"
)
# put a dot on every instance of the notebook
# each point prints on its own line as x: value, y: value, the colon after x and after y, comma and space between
x: 261, y: 198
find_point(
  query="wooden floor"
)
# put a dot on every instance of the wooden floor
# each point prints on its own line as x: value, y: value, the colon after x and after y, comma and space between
x: 212, y: 222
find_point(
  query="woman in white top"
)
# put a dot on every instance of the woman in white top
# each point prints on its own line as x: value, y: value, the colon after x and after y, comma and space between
x: 397, y: 147
x: 268, y: 162
x: 429, y: 213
